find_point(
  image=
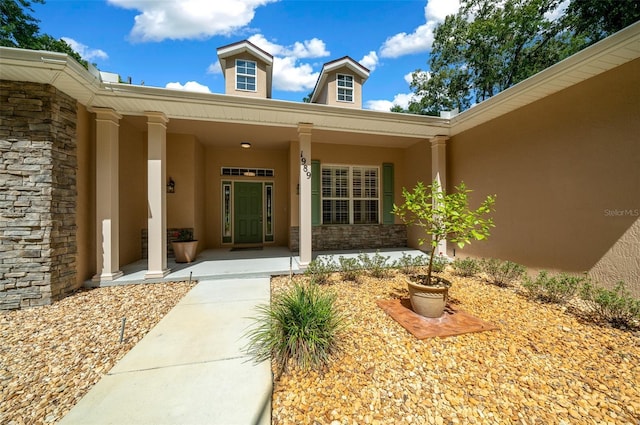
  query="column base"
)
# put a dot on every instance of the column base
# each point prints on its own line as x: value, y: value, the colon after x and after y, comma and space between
x: 156, y: 274
x: 107, y: 277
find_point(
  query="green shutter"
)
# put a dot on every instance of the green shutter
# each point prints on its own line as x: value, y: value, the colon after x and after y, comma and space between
x: 387, y: 194
x: 315, y: 193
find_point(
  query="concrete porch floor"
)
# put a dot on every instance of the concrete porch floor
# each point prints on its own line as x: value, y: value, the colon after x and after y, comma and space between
x: 223, y: 263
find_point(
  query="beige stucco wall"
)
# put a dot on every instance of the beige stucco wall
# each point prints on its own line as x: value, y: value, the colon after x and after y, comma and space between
x: 133, y: 191
x: 417, y: 168
x: 330, y: 96
x: 185, y: 207
x: 216, y: 158
x: 567, y: 175
x: 230, y: 77
x: 85, y: 206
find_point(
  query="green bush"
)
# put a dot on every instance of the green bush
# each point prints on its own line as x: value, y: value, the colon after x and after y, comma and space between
x: 501, y: 273
x: 615, y: 306
x: 376, y: 264
x: 301, y: 325
x: 439, y: 263
x: 466, y: 266
x: 320, y: 269
x: 349, y: 267
x: 410, y: 265
x: 553, y: 289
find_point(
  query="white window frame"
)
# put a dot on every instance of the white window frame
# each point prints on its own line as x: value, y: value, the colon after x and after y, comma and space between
x: 351, y: 197
x: 347, y: 91
x: 247, y: 75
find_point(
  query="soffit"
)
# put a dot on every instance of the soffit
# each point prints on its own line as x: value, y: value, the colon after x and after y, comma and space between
x: 603, y: 56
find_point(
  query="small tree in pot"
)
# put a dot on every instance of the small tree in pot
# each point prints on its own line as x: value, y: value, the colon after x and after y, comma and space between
x: 441, y: 216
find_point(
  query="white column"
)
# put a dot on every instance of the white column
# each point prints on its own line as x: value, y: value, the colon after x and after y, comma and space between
x: 107, y: 203
x: 156, y: 194
x: 439, y: 173
x: 304, y: 139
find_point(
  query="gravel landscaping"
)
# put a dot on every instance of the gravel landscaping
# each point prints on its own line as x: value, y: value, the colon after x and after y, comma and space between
x: 51, y: 356
x: 544, y: 365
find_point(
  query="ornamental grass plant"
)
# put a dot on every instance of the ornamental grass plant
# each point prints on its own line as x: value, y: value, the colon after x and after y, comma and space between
x: 301, y: 325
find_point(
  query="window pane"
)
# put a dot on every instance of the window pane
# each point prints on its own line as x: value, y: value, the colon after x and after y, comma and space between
x: 365, y: 212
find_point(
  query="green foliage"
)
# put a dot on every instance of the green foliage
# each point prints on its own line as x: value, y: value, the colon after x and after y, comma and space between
x: 376, y: 265
x: 615, y: 306
x: 501, y: 273
x: 466, y: 266
x: 350, y: 268
x: 489, y: 46
x: 19, y: 29
x: 553, y: 289
x: 320, y: 269
x: 443, y: 216
x: 439, y: 263
x: 301, y: 324
x: 410, y: 265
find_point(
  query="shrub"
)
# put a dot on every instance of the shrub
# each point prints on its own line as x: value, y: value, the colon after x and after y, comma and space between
x: 439, y: 263
x: 410, y: 265
x: 349, y: 267
x: 320, y: 269
x: 375, y: 264
x: 465, y: 266
x: 553, y: 289
x: 615, y: 306
x: 501, y: 273
x: 302, y: 325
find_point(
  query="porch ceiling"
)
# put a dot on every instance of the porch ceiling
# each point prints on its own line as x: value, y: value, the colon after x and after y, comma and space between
x: 225, y: 134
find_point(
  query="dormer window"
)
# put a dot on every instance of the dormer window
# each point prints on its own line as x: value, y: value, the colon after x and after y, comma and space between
x: 345, y: 88
x: 245, y: 75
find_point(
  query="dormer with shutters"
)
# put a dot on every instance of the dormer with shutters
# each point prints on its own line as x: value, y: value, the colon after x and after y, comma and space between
x: 247, y: 69
x: 340, y: 83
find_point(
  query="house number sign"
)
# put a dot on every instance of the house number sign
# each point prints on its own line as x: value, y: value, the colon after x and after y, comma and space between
x: 305, y: 165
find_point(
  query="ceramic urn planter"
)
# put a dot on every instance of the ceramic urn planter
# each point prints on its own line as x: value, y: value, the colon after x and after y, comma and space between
x: 185, y: 251
x: 428, y: 300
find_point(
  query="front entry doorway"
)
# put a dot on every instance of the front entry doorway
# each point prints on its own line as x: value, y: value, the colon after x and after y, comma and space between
x: 248, y: 209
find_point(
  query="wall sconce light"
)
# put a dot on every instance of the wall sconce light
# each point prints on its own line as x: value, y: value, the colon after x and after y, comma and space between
x: 171, y: 186
x: 245, y: 145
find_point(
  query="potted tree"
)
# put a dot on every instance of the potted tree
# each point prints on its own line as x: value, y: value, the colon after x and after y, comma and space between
x: 184, y: 246
x: 440, y: 216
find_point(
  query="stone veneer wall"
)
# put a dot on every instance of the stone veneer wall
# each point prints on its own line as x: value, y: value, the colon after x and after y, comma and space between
x: 38, y: 168
x: 357, y: 236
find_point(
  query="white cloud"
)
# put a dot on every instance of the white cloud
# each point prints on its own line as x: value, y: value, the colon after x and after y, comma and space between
x: 288, y: 73
x: 314, y: 48
x: 370, y: 61
x: 85, y: 52
x: 189, y: 19
x: 421, y: 39
x: 290, y: 76
x: 558, y: 11
x: 401, y: 99
x: 189, y: 86
x: 214, y: 68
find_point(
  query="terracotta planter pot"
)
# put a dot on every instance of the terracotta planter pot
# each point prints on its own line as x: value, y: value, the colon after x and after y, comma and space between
x: 185, y: 252
x: 429, y: 300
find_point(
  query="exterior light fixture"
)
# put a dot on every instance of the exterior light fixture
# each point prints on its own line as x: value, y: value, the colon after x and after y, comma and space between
x: 171, y: 186
x: 245, y: 145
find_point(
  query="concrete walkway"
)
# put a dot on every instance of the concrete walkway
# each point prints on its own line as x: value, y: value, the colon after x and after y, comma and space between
x: 190, y: 368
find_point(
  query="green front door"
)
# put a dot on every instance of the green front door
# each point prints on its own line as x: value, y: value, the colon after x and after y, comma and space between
x: 247, y: 212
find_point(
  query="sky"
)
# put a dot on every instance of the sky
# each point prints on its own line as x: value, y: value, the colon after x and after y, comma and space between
x: 172, y: 43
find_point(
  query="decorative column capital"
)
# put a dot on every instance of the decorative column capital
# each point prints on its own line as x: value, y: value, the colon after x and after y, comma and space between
x: 154, y: 117
x: 106, y: 114
x: 439, y: 140
x: 305, y: 128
